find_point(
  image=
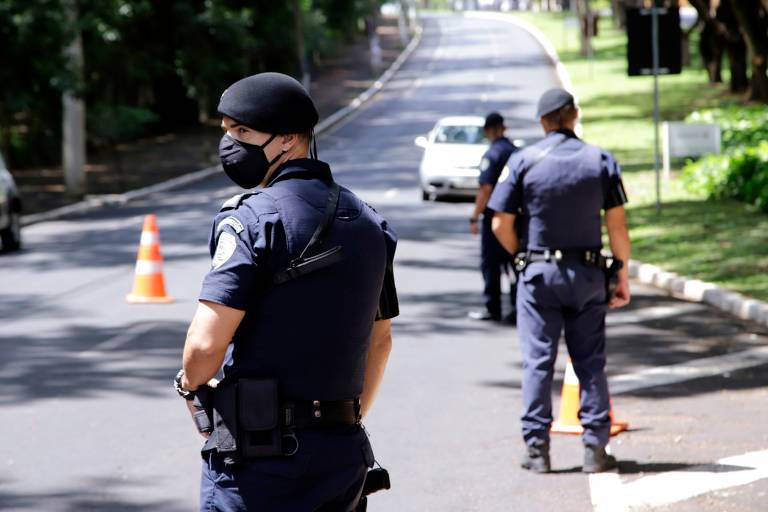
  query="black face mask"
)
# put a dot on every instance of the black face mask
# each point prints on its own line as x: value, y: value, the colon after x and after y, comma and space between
x: 245, y: 164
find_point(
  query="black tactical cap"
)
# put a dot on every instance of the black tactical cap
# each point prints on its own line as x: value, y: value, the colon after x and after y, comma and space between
x: 270, y: 103
x: 493, y: 119
x: 553, y: 99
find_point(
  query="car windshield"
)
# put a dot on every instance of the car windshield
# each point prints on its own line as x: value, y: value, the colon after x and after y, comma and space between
x: 451, y: 134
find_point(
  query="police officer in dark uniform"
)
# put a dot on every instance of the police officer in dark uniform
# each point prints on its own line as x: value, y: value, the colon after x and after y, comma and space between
x: 556, y: 191
x: 493, y: 258
x: 295, y: 311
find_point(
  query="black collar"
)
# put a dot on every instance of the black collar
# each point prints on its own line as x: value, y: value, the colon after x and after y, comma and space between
x: 568, y: 133
x: 301, y: 168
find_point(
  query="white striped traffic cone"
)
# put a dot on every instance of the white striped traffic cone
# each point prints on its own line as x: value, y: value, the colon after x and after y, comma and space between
x: 148, y: 283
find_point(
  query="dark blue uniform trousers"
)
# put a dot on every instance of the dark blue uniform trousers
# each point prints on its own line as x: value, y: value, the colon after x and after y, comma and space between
x: 493, y: 259
x: 326, y: 475
x: 552, y: 297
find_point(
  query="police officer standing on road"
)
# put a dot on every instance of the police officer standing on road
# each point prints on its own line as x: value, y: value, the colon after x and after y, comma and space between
x: 556, y: 190
x: 493, y: 258
x: 297, y: 307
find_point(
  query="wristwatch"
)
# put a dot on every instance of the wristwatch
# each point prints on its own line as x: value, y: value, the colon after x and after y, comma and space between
x: 183, y: 393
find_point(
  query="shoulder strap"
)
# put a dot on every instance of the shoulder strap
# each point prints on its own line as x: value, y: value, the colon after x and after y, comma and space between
x: 307, y: 262
x: 533, y: 163
x: 318, y: 237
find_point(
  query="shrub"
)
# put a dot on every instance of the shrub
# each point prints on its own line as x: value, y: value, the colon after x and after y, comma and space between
x: 741, y: 173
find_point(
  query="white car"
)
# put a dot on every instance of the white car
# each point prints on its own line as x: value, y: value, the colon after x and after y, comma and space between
x: 10, y: 211
x: 453, y: 150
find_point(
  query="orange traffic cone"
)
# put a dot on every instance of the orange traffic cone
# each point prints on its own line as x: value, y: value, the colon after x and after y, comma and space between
x: 569, y: 423
x: 148, y: 283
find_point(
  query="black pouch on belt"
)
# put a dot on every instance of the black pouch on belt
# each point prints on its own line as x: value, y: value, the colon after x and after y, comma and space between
x: 258, y: 418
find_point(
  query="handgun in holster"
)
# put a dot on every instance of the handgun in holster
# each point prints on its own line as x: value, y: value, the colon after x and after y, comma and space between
x: 245, y: 421
x: 611, y: 269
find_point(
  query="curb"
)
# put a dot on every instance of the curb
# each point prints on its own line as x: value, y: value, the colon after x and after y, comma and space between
x: 109, y: 200
x: 693, y: 290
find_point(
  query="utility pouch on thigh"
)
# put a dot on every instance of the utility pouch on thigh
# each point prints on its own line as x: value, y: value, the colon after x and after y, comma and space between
x: 258, y: 418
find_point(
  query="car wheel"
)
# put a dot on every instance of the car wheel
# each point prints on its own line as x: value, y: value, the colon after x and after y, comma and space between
x: 425, y: 195
x: 11, y: 236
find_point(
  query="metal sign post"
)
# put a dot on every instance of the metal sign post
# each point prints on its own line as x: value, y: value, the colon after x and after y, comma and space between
x: 653, y: 48
x: 655, y: 43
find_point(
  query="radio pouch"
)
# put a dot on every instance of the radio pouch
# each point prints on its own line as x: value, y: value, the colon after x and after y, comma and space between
x: 259, y: 418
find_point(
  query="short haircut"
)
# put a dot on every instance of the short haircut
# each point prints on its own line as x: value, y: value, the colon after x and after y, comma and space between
x: 563, y: 115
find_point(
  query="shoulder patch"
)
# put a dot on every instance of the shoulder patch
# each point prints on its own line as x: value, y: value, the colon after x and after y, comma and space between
x: 225, y: 248
x: 485, y: 164
x: 235, y: 201
x: 232, y: 222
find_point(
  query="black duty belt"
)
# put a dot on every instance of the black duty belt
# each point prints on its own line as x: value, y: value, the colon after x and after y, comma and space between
x: 588, y: 257
x: 308, y: 414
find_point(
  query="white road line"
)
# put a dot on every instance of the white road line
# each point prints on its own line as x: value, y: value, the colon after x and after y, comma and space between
x: 606, y: 492
x: 609, y: 494
x: 698, y: 368
x: 484, y: 98
x: 117, y: 341
x: 652, y: 313
x: 392, y: 192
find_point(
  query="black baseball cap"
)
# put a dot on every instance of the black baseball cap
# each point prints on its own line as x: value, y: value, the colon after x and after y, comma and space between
x: 493, y: 119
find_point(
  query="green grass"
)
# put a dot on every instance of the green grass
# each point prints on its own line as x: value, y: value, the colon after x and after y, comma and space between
x: 719, y: 241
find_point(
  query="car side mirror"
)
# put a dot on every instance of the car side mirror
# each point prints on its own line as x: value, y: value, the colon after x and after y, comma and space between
x: 421, y: 141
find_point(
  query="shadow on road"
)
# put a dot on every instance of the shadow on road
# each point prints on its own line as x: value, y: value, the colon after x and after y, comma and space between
x: 95, y: 495
x: 70, y: 365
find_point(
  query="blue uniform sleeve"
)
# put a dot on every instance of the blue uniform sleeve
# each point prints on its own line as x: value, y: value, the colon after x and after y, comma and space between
x: 506, y: 197
x: 237, y: 245
x: 389, y: 306
x: 490, y: 168
x: 613, y: 187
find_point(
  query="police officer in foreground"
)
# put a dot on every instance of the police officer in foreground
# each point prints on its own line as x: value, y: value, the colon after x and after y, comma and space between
x: 556, y: 191
x: 493, y: 258
x: 296, y: 307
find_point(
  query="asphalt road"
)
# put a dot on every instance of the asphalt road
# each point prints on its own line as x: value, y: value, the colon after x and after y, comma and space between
x: 88, y: 420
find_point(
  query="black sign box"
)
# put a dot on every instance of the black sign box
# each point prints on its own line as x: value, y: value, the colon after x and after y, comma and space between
x: 640, y: 42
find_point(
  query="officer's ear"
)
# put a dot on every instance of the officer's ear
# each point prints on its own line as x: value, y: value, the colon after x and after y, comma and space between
x: 289, y: 141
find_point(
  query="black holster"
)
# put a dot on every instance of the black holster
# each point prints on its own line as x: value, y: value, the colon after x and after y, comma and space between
x: 611, y: 267
x: 246, y: 420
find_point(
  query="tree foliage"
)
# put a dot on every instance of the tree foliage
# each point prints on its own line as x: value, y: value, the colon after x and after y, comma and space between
x: 149, y: 64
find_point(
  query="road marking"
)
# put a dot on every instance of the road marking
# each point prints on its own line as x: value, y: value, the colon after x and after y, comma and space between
x: 484, y: 98
x: 392, y: 192
x: 696, y: 369
x: 609, y: 494
x: 652, y: 313
x: 491, y: 77
x: 117, y: 341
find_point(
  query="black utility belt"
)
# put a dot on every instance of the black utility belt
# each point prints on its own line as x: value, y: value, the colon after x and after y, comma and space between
x: 309, y: 414
x: 588, y: 257
x: 247, y: 418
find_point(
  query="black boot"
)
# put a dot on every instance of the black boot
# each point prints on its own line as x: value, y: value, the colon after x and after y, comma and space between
x: 536, y: 458
x: 596, y: 460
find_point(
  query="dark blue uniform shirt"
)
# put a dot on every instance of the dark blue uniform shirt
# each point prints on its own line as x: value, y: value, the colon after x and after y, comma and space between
x: 494, y: 160
x: 312, y: 333
x: 560, y: 198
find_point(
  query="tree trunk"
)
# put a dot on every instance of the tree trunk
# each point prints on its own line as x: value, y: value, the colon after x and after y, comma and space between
x: 754, y: 27
x: 73, y: 115
x: 301, y: 52
x: 735, y: 46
